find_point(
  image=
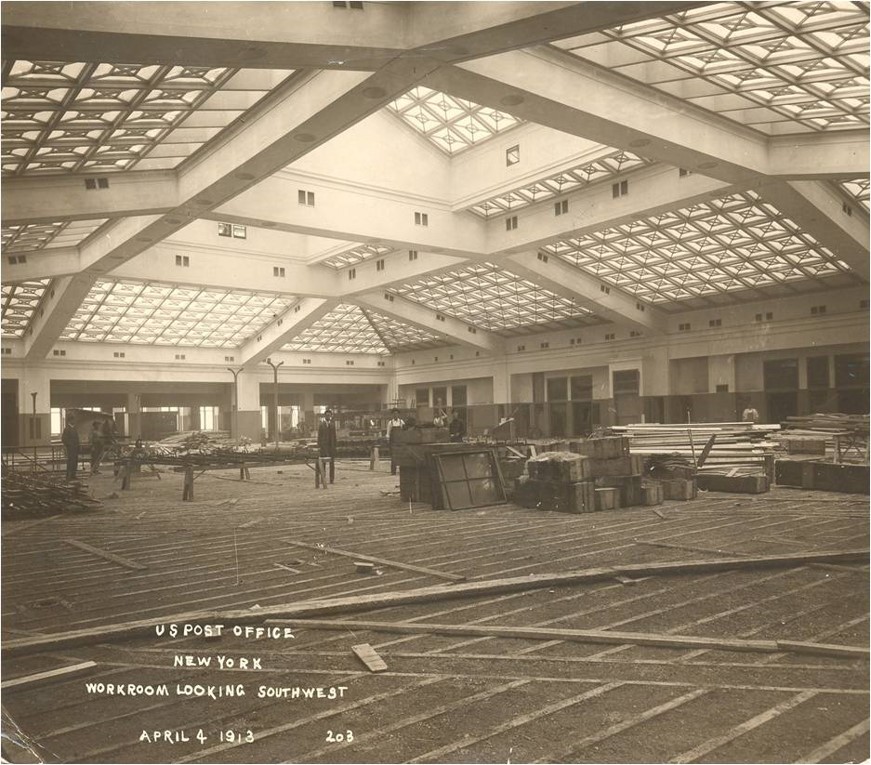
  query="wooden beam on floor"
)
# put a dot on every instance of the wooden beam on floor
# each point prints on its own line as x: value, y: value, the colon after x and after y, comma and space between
x: 367, y: 654
x: 126, y: 562
x: 380, y: 561
x: 330, y: 606
x: 27, y: 682
x: 825, y: 649
x: 541, y: 633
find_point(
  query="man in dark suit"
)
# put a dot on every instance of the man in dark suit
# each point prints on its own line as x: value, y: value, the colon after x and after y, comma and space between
x: 327, y: 441
x: 70, y: 440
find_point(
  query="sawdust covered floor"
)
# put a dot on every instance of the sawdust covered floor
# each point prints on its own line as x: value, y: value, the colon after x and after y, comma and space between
x: 147, y: 554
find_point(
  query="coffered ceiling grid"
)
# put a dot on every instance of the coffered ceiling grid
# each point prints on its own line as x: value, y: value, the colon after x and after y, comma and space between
x: 32, y: 237
x: 356, y: 255
x: 452, y: 124
x: 727, y: 245
x: 68, y: 117
x: 345, y: 329
x: 603, y: 168
x: 152, y: 313
x: 20, y: 302
x: 486, y: 295
x: 779, y: 67
x: 857, y: 188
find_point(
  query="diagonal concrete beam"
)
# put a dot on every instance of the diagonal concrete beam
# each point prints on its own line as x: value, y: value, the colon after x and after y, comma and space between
x: 554, y: 274
x: 824, y: 213
x: 291, y: 323
x: 419, y: 316
x: 61, y: 197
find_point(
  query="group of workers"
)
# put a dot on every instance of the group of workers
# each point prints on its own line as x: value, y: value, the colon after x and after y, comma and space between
x: 101, y: 436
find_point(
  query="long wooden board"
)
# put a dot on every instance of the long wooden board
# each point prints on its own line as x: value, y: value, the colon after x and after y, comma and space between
x: 381, y: 561
x: 44, y: 678
x: 126, y: 562
x: 325, y: 607
x: 542, y: 633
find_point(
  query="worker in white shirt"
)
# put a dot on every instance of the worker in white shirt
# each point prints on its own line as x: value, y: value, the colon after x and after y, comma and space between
x: 394, y: 423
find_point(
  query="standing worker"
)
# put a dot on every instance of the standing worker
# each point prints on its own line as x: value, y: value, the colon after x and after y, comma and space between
x: 457, y: 428
x: 395, y: 423
x: 70, y: 440
x: 327, y: 441
x: 97, y: 445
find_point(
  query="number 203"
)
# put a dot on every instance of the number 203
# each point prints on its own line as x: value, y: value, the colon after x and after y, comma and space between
x: 340, y: 738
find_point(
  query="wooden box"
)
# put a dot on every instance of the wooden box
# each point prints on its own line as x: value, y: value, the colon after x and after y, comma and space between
x: 803, y: 445
x: 736, y: 484
x: 617, y: 466
x: 679, y: 488
x: 651, y: 493
x: 628, y: 488
x: 558, y: 466
x: 607, y: 499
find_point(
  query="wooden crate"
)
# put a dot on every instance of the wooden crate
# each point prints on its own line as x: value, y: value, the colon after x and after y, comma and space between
x: 803, y: 445
x: 617, y: 466
x: 651, y: 493
x: 558, y: 466
x: 607, y: 499
x: 628, y: 488
x: 576, y: 497
x: 735, y: 484
x: 679, y: 488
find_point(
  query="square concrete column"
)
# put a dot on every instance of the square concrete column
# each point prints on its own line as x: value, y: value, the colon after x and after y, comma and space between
x: 247, y: 412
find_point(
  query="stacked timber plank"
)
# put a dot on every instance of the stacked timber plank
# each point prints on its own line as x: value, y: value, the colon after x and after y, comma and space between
x: 28, y: 494
x: 740, y: 445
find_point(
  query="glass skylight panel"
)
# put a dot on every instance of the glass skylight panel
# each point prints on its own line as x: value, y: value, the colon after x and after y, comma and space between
x: 20, y: 301
x: 563, y: 182
x: 734, y: 243
x: 105, y: 118
x: 805, y: 64
x: 487, y: 296
x: 32, y: 237
x: 345, y: 329
x: 398, y: 336
x: 857, y: 188
x: 452, y: 124
x: 164, y: 314
x: 356, y: 255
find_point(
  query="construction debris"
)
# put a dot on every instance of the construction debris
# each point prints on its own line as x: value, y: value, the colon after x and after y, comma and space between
x: 27, y: 494
x: 366, y: 653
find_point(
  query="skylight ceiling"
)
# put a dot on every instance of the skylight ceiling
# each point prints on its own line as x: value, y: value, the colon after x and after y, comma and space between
x: 450, y: 123
x: 780, y: 68
x: 20, y: 302
x: 487, y: 296
x: 398, y: 336
x: 563, y: 182
x: 720, y: 247
x: 150, y: 313
x: 345, y: 329
x: 102, y: 118
x: 356, y: 255
x: 857, y: 188
x: 32, y: 237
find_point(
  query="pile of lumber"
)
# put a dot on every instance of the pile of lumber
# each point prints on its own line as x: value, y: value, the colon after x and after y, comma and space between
x: 739, y: 448
x: 829, y: 423
x: 28, y: 494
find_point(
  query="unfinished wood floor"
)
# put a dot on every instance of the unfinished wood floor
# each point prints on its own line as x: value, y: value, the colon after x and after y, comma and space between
x: 442, y: 699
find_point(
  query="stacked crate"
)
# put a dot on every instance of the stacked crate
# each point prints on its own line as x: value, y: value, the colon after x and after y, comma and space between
x: 617, y: 474
x: 557, y: 481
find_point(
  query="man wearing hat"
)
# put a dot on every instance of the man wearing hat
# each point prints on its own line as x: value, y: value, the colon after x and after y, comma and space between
x: 394, y: 423
x: 327, y: 441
